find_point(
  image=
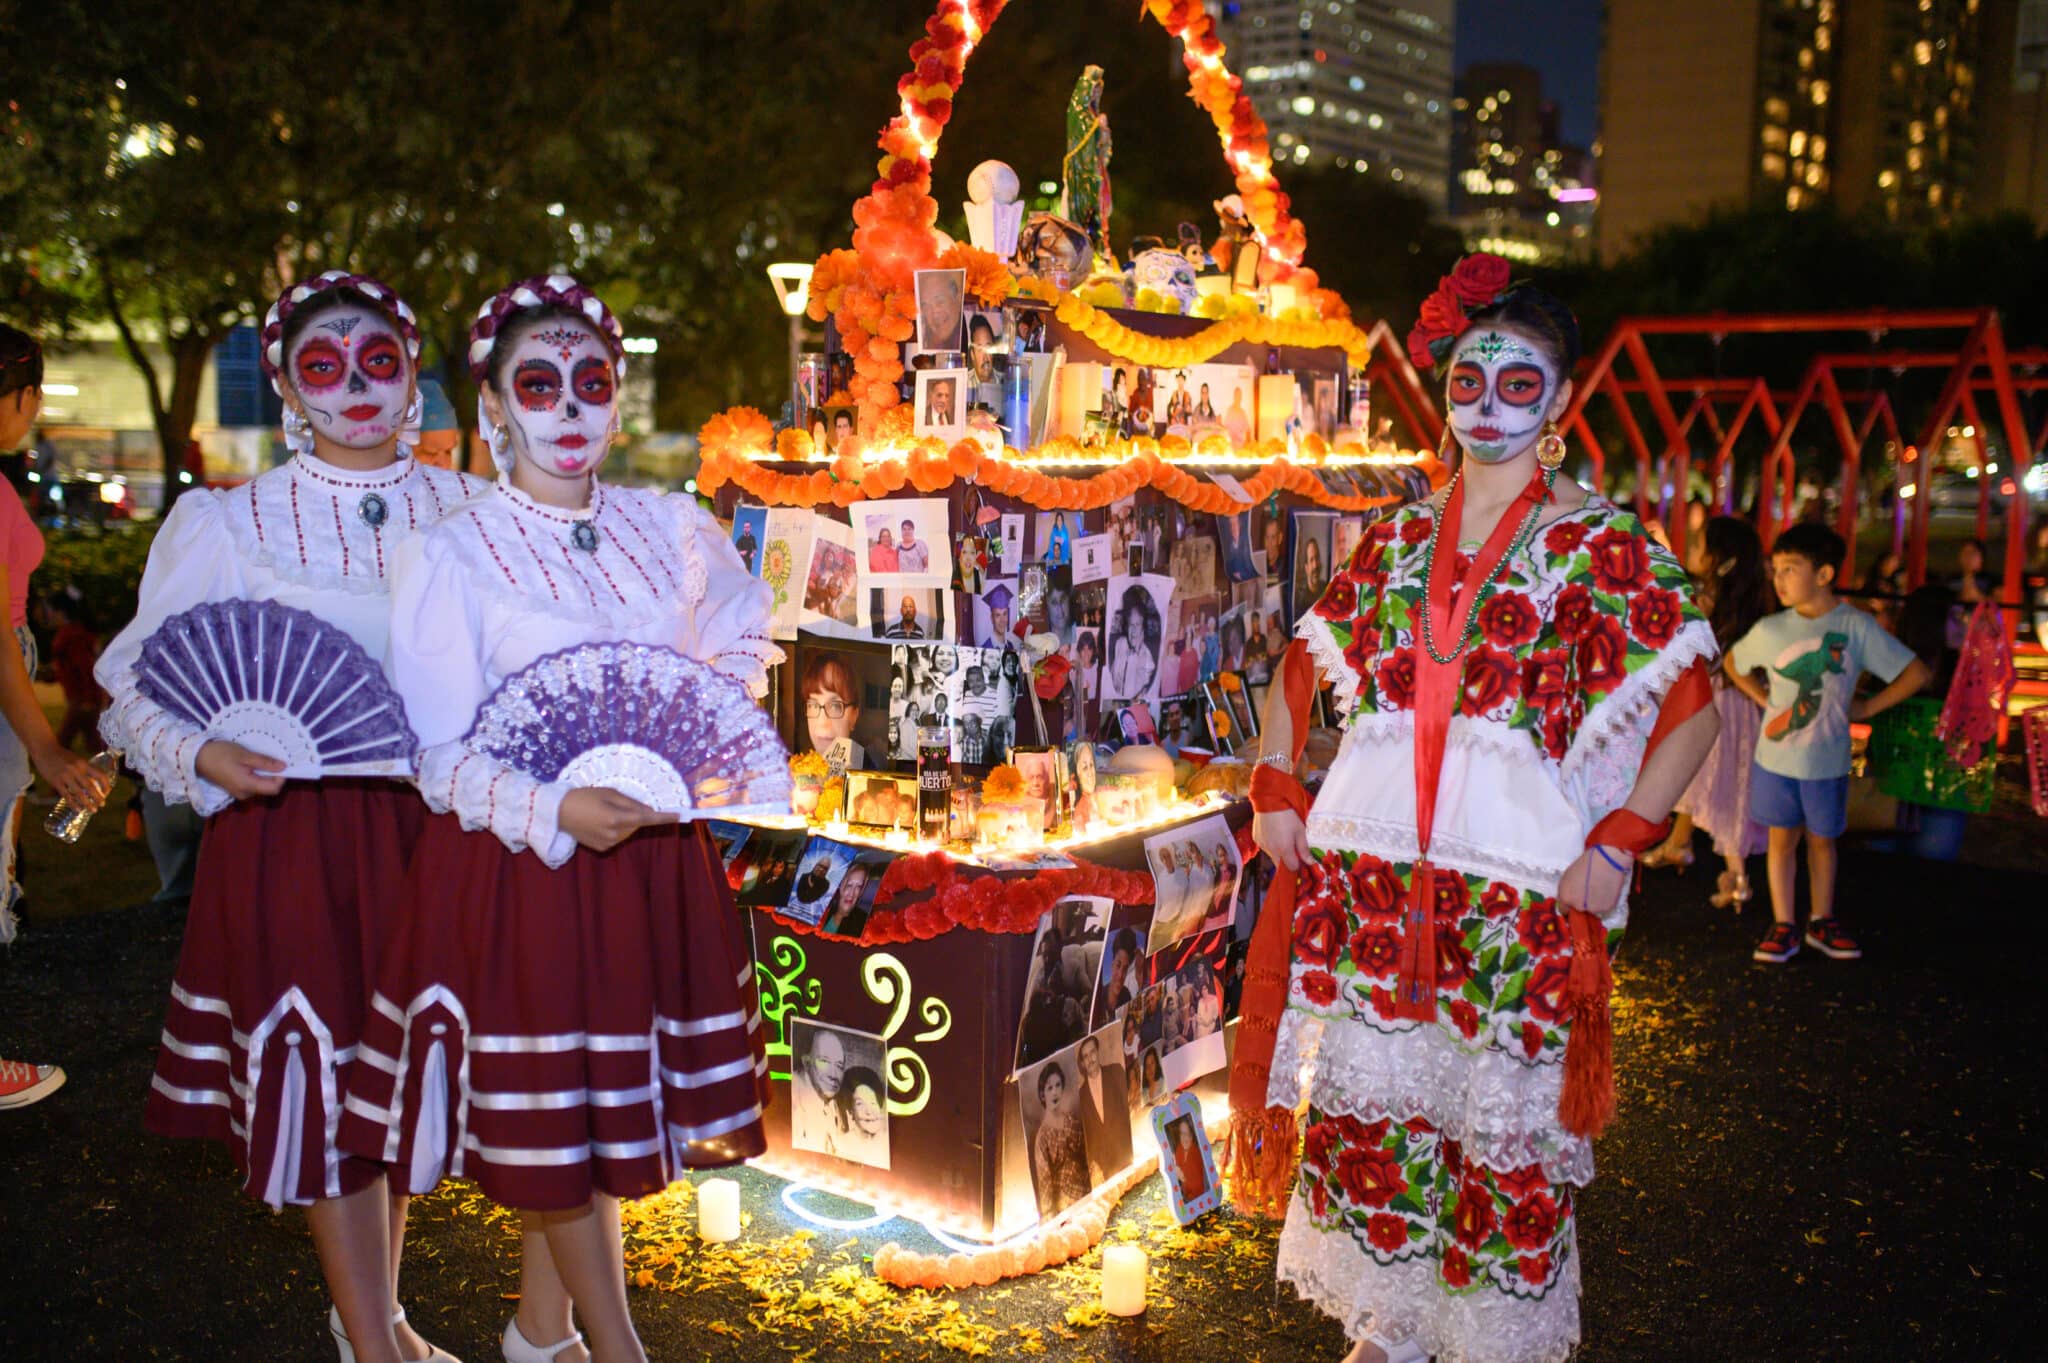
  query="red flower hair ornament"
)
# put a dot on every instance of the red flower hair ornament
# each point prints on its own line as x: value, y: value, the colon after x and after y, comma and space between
x: 1478, y: 281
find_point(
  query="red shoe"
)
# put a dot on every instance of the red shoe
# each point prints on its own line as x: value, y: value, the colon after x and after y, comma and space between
x: 22, y: 1084
x: 1780, y: 944
x: 1826, y: 936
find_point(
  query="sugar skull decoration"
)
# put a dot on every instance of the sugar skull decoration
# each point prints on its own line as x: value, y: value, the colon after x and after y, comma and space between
x: 1167, y: 273
x: 563, y: 376
x: 1053, y: 249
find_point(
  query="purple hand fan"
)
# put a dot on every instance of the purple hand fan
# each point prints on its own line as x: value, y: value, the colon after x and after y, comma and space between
x: 281, y: 682
x: 669, y: 731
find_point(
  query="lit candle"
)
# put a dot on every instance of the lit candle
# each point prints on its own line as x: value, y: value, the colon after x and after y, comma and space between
x: 1276, y: 405
x: 1080, y: 394
x: 718, y: 1211
x: 1123, y: 1280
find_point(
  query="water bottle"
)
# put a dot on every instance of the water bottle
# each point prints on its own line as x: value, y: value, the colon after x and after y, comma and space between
x: 1017, y: 399
x: 67, y: 821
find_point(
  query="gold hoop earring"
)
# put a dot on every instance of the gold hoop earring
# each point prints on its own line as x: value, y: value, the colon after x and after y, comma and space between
x: 1446, y: 445
x: 1550, y: 448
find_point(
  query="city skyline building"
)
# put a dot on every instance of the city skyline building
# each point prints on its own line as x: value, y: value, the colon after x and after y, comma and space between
x: 1358, y: 84
x: 1518, y: 189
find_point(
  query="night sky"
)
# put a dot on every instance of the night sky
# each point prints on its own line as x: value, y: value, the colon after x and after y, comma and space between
x: 1560, y: 38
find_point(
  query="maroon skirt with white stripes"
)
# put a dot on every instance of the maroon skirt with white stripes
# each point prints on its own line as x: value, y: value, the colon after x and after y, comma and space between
x: 292, y: 899
x: 556, y: 1033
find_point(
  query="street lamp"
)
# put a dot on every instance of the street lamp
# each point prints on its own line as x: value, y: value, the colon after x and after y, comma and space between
x: 792, y: 281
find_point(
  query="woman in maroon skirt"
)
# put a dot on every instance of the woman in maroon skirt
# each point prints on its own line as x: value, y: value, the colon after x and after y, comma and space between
x: 565, y: 1015
x: 296, y: 879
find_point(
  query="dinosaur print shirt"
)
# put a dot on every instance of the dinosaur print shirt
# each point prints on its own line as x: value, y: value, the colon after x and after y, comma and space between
x: 1813, y: 665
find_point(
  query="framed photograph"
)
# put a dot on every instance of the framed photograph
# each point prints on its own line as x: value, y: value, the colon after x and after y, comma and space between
x: 941, y: 313
x: 1314, y: 547
x: 1016, y: 823
x: 902, y: 541
x: 941, y: 409
x: 917, y: 614
x: 1244, y: 717
x: 1192, y: 1188
x: 1041, y: 771
x: 1136, y: 638
x: 838, y: 1098
x: 1136, y: 724
x: 880, y: 800
x: 1223, y: 738
x: 840, y: 421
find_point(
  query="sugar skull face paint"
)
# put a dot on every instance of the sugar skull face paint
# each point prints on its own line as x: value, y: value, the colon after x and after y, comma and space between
x: 563, y: 398
x: 1499, y: 391
x: 349, y: 371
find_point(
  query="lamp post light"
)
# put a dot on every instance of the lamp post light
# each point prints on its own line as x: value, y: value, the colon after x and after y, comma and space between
x: 792, y: 281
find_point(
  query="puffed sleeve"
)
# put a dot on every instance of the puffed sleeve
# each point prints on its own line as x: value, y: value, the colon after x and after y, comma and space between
x: 192, y: 561
x: 435, y: 659
x: 1342, y: 629
x: 731, y: 621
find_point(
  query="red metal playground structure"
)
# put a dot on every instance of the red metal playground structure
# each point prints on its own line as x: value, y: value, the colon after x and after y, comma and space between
x: 1674, y: 424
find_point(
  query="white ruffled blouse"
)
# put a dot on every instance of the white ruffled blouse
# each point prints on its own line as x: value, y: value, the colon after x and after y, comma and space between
x: 500, y: 584
x: 296, y: 534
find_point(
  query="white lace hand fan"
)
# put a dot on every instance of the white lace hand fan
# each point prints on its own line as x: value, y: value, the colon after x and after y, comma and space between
x: 281, y: 682
x: 669, y: 731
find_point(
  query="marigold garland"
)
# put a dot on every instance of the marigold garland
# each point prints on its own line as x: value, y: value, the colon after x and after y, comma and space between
x: 731, y: 453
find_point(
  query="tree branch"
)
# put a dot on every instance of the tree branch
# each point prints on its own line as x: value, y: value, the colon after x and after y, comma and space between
x: 134, y: 347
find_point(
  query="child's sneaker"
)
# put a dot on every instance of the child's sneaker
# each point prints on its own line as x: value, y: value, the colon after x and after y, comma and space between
x: 1780, y: 944
x: 22, y: 1084
x: 1826, y: 936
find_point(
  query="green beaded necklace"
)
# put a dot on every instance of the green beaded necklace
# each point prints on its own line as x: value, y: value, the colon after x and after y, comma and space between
x: 1486, y: 588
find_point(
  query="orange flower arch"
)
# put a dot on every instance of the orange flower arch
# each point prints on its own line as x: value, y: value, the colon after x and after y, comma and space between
x: 868, y: 289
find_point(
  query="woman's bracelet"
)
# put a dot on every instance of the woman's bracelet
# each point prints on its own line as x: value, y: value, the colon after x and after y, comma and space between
x: 1277, y: 759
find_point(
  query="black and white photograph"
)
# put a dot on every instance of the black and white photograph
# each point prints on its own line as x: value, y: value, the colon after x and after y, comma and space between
x: 838, y: 1097
x: 1011, y: 561
x: 1093, y: 557
x: 1314, y: 534
x: 907, y: 613
x: 917, y: 677
x: 1136, y: 637
x: 1102, y: 1094
x: 981, y: 701
x: 941, y: 410
x: 1195, y: 870
x: 1066, y: 956
x: 880, y: 800
x: 1049, y: 1100
x: 941, y: 311
x: 1123, y: 962
x: 1122, y: 530
x: 902, y: 541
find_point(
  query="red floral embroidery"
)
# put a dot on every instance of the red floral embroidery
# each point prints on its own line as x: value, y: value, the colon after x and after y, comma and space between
x: 1319, y: 933
x: 1557, y: 733
x: 1356, y: 1132
x: 1499, y: 900
x: 1546, y: 676
x: 1490, y: 679
x: 1416, y: 530
x: 1453, y: 896
x: 1363, y: 648
x: 1396, y: 679
x: 1319, y: 988
x: 1465, y: 1018
x: 1376, y: 949
x: 1526, y: 1181
x: 1545, y: 993
x: 1319, y: 1147
x: 1419, y: 1126
x: 1372, y: 1177
x: 1603, y: 654
x: 1541, y: 929
x: 1534, y: 1268
x: 1575, y: 609
x: 1655, y: 616
x: 1387, y: 1232
x: 1530, y: 1222
x: 1532, y: 1040
x: 1339, y: 601
x: 1621, y: 561
x: 1508, y: 619
x: 1457, y: 1268
x: 1473, y: 1220
x: 1453, y: 962
x: 1564, y: 538
x: 1375, y: 889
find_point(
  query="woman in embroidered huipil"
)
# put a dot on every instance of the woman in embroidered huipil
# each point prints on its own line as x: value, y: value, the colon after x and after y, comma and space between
x: 1503, y: 653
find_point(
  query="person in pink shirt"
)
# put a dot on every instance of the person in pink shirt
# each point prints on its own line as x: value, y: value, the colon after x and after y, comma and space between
x: 25, y: 740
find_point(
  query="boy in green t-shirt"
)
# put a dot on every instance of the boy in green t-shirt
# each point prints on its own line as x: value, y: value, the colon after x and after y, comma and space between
x: 1813, y: 652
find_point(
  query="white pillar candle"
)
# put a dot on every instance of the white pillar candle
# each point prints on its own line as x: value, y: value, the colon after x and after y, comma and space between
x: 1123, y: 1280
x: 1277, y: 396
x: 718, y: 1210
x: 1080, y: 393
x: 1280, y: 298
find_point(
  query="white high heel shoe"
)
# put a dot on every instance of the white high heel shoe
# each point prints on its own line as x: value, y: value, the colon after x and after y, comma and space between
x: 348, y: 1351
x: 517, y: 1350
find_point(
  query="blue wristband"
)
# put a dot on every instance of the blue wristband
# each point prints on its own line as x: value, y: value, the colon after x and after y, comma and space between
x: 1609, y: 859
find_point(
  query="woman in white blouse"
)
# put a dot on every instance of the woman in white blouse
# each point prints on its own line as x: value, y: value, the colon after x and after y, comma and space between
x: 297, y: 880
x: 564, y: 1018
